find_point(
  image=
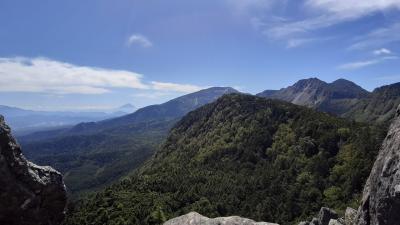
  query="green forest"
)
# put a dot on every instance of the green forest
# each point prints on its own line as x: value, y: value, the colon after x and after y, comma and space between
x: 243, y: 155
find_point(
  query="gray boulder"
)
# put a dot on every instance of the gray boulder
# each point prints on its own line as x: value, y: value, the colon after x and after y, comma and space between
x: 380, y: 204
x: 325, y: 215
x: 29, y: 194
x: 350, y: 216
x: 194, y: 218
x: 335, y: 222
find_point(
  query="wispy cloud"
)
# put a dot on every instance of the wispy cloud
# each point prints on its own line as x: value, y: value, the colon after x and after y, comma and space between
x: 382, y: 51
x: 138, y: 39
x: 285, y: 30
x: 43, y: 75
x: 355, y: 8
x: 293, y: 43
x: 361, y: 64
x: 320, y: 14
x: 184, y: 88
x: 297, y: 42
x: 378, y: 37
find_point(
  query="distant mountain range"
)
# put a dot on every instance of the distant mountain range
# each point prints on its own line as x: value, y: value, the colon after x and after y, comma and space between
x: 91, y: 155
x: 342, y: 98
x: 24, y: 121
x: 103, y: 151
x: 170, y: 110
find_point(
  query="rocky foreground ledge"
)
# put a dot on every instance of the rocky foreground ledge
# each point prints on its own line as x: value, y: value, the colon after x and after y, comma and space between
x: 29, y: 194
x: 194, y: 218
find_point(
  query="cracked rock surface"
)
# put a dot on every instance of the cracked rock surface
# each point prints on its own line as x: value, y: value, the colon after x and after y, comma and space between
x: 194, y: 218
x: 380, y: 203
x: 29, y: 194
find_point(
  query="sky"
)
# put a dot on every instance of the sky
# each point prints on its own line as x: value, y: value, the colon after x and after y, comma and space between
x: 84, y: 55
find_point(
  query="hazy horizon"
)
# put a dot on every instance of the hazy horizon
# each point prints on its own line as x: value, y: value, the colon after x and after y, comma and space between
x: 111, y: 109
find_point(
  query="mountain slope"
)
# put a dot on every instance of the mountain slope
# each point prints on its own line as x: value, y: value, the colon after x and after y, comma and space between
x: 92, y: 155
x: 172, y: 109
x: 380, y: 106
x: 243, y: 155
x: 336, y: 97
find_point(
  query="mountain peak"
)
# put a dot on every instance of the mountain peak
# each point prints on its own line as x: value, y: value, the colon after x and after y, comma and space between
x: 127, y: 108
x: 335, y: 97
x: 226, y: 89
x: 342, y: 80
x: 345, y: 83
x: 342, y: 88
x: 127, y: 105
x: 312, y: 81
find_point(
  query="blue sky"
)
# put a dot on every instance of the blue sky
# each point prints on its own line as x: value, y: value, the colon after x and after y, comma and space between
x: 99, y: 54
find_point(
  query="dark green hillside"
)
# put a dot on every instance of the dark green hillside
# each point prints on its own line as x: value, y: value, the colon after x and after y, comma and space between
x: 89, y: 162
x: 92, y: 155
x: 243, y: 155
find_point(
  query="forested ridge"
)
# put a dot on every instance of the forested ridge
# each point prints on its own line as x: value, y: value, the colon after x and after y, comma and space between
x: 243, y: 155
x: 95, y: 154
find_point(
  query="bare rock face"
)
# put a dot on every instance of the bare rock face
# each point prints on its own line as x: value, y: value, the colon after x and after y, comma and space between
x: 325, y: 216
x: 29, y: 194
x: 194, y: 218
x: 335, y: 222
x: 380, y: 203
x: 350, y: 216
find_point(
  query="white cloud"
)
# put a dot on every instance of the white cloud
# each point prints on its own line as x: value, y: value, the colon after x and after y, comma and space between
x: 138, y: 39
x: 42, y: 75
x: 361, y: 64
x: 184, y: 88
x: 382, y: 51
x: 50, y: 76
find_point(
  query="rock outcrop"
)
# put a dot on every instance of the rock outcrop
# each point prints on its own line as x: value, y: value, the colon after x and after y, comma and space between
x: 326, y: 216
x: 380, y: 203
x: 350, y: 216
x: 336, y: 222
x: 29, y: 194
x: 194, y: 218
